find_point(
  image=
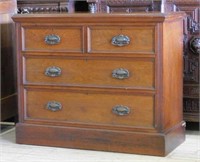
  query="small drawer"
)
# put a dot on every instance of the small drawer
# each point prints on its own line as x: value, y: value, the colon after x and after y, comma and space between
x: 112, y: 73
x: 90, y: 108
x: 121, y: 39
x: 52, y: 39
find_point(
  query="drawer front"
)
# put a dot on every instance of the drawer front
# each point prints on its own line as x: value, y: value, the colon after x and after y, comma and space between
x: 90, y: 108
x: 52, y: 39
x: 114, y: 73
x: 121, y: 39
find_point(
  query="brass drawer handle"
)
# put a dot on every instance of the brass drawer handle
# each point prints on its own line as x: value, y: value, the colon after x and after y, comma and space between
x: 120, y: 40
x: 52, y: 39
x: 54, y: 106
x: 121, y: 110
x: 53, y: 71
x: 120, y: 73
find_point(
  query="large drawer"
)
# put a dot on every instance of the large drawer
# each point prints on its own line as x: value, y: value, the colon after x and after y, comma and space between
x: 111, y: 39
x: 52, y: 39
x: 137, y: 73
x: 90, y: 108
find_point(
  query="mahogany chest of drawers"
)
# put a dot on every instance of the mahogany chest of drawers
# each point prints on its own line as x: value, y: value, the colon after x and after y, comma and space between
x: 109, y: 82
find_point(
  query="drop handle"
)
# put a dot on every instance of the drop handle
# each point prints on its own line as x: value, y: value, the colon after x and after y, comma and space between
x: 52, y: 39
x: 53, y: 71
x: 121, y: 110
x: 54, y: 106
x: 120, y: 40
x: 120, y: 73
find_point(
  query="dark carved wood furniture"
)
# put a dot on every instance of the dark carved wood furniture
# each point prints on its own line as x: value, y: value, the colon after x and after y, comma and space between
x: 191, y: 58
x: 103, y: 81
x: 132, y: 6
x: 41, y: 6
x: 8, y: 69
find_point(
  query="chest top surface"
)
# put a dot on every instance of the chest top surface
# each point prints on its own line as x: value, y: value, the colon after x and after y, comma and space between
x: 99, y: 17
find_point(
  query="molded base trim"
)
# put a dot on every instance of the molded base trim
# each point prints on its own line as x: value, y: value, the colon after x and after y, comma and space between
x: 100, y: 139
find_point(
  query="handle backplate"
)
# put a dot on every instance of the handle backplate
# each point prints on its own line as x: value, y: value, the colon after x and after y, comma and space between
x: 120, y: 40
x: 120, y: 73
x: 54, y: 106
x: 53, y: 71
x: 121, y: 110
x: 52, y: 39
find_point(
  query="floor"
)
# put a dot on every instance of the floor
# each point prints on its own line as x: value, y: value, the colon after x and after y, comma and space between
x: 189, y: 151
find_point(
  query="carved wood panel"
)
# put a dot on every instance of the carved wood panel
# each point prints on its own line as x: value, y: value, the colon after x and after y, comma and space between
x: 191, y: 58
x: 35, y: 6
x: 133, y: 6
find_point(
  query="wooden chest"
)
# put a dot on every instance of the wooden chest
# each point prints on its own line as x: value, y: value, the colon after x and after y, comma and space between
x: 109, y: 82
